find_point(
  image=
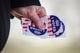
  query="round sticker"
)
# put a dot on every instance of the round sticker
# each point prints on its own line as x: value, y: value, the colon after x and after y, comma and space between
x: 54, y: 27
x: 55, y: 23
x: 36, y: 31
x: 58, y: 27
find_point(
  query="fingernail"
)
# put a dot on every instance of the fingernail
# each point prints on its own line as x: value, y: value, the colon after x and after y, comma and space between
x: 42, y: 28
x: 40, y: 25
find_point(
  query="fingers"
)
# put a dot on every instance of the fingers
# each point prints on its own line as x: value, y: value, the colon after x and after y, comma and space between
x: 35, y: 18
x: 32, y: 12
x: 41, y: 12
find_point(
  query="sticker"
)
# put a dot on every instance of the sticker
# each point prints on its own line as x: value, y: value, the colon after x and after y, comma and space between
x: 55, y: 22
x: 54, y: 27
x: 57, y: 26
x: 36, y: 31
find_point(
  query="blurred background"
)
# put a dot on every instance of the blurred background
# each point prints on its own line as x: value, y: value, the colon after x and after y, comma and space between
x: 68, y: 11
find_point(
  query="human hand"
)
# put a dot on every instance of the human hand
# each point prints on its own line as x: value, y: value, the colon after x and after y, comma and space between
x: 34, y: 13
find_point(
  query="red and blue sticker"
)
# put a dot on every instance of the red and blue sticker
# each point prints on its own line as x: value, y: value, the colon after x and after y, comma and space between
x: 55, y: 27
x: 36, y: 31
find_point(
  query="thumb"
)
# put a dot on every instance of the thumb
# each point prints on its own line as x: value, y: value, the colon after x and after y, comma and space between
x: 37, y: 21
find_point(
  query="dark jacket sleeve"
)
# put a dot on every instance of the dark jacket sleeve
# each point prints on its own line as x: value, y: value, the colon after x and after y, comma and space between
x: 4, y: 22
x: 22, y: 3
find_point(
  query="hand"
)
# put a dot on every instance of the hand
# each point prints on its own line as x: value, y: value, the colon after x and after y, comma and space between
x: 34, y: 13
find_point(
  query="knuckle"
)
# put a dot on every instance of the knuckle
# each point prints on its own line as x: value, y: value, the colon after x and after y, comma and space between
x: 31, y: 14
x: 42, y: 8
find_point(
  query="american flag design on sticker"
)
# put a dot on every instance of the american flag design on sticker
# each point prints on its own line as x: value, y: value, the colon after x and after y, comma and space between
x: 25, y: 23
x: 54, y: 27
x: 49, y: 28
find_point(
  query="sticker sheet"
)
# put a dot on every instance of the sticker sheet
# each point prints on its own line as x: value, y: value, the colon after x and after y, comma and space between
x: 54, y: 27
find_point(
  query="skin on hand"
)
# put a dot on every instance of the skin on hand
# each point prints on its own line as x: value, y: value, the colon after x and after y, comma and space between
x: 34, y: 13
